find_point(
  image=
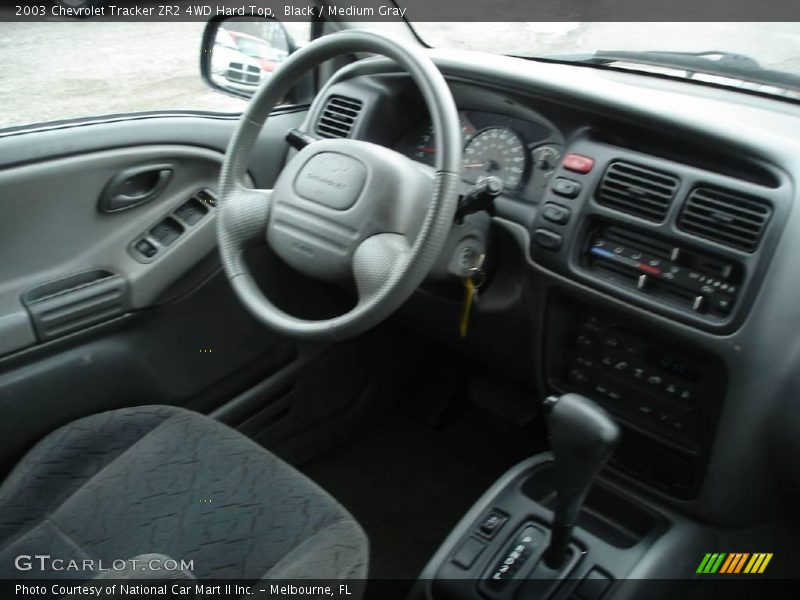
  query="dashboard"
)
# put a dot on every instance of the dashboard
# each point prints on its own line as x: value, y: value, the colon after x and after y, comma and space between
x: 641, y: 254
x: 521, y: 153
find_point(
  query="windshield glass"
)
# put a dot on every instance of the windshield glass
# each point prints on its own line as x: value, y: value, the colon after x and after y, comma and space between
x: 773, y: 46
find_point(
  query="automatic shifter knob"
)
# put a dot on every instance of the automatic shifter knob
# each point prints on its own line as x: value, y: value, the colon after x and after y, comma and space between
x: 583, y: 437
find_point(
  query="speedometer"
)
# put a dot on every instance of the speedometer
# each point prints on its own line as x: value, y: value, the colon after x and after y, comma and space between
x: 496, y: 151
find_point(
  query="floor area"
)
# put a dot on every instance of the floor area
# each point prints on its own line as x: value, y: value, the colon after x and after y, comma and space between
x: 408, y: 484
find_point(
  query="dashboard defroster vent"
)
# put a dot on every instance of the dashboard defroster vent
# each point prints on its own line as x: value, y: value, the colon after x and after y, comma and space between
x: 637, y: 190
x: 338, y: 117
x: 729, y: 218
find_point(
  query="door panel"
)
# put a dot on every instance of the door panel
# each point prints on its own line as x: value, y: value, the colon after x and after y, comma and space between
x: 182, y: 337
x: 52, y: 224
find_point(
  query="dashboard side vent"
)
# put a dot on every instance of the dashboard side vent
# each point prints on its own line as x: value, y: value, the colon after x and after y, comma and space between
x: 729, y: 218
x: 338, y: 117
x: 637, y: 190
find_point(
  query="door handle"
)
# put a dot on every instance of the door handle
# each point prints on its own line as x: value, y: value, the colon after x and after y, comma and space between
x: 134, y: 186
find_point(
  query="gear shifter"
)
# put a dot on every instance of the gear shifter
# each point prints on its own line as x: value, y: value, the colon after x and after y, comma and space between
x: 582, y: 436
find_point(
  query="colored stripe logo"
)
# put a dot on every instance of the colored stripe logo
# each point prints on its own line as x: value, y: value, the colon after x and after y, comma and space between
x: 734, y: 563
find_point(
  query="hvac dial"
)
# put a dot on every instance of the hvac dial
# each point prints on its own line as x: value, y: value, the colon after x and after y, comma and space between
x: 496, y: 151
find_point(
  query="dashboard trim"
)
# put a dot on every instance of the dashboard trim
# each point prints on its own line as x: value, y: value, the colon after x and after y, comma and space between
x: 761, y: 352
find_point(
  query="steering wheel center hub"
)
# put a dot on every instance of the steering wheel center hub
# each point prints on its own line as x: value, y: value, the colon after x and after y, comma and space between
x: 332, y: 179
x: 333, y: 195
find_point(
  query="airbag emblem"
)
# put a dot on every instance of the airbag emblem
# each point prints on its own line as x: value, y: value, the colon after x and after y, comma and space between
x: 332, y: 179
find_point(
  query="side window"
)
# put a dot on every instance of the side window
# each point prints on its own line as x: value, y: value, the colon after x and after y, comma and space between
x: 54, y: 71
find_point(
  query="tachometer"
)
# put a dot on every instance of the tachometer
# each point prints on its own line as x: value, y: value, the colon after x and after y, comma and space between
x: 496, y: 151
x: 424, y: 147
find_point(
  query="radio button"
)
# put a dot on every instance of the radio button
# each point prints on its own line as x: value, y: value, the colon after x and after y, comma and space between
x: 654, y: 380
x: 578, y: 377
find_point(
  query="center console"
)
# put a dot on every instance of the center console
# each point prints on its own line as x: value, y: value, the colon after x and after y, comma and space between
x: 499, y: 552
x: 548, y: 529
x: 686, y: 240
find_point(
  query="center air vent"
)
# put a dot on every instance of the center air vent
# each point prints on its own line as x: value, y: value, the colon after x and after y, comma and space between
x: 727, y: 217
x: 338, y: 117
x: 636, y: 190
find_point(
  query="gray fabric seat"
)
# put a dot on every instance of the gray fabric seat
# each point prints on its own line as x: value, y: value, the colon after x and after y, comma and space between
x: 160, y: 479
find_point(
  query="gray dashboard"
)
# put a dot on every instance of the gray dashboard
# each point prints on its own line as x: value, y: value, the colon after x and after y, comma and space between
x: 731, y: 341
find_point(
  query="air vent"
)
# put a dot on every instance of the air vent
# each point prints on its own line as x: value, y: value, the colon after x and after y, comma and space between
x: 338, y: 117
x: 730, y: 218
x: 637, y: 190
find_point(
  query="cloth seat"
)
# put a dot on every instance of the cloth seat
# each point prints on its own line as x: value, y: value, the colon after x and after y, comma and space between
x: 168, y: 481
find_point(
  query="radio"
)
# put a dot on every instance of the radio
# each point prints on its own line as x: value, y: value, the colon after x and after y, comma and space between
x: 689, y: 278
x: 644, y: 383
x: 665, y: 393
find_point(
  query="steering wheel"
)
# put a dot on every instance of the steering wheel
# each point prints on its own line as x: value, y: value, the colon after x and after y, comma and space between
x: 341, y: 209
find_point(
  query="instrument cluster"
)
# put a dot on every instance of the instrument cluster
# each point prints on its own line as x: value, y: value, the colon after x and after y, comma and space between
x: 523, y: 154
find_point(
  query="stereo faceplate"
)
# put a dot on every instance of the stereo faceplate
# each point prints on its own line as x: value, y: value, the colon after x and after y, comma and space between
x: 666, y: 395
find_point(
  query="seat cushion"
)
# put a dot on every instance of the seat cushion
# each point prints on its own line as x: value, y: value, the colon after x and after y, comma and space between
x: 160, y: 479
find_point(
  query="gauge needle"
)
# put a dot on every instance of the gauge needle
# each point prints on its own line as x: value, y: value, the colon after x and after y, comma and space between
x: 474, y: 165
x: 426, y: 150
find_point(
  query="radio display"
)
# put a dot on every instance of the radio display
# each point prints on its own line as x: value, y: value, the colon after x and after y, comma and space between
x: 671, y: 364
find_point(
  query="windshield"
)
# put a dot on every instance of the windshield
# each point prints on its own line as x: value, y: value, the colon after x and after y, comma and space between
x: 773, y: 47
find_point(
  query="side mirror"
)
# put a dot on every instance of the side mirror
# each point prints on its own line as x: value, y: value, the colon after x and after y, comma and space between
x: 239, y: 53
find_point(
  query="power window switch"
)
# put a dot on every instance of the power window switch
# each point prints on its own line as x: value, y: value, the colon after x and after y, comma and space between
x: 166, y: 232
x: 468, y: 553
x: 145, y: 248
x: 189, y: 214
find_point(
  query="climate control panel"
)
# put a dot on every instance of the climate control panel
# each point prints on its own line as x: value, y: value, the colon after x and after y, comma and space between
x: 697, y: 242
x: 680, y: 275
